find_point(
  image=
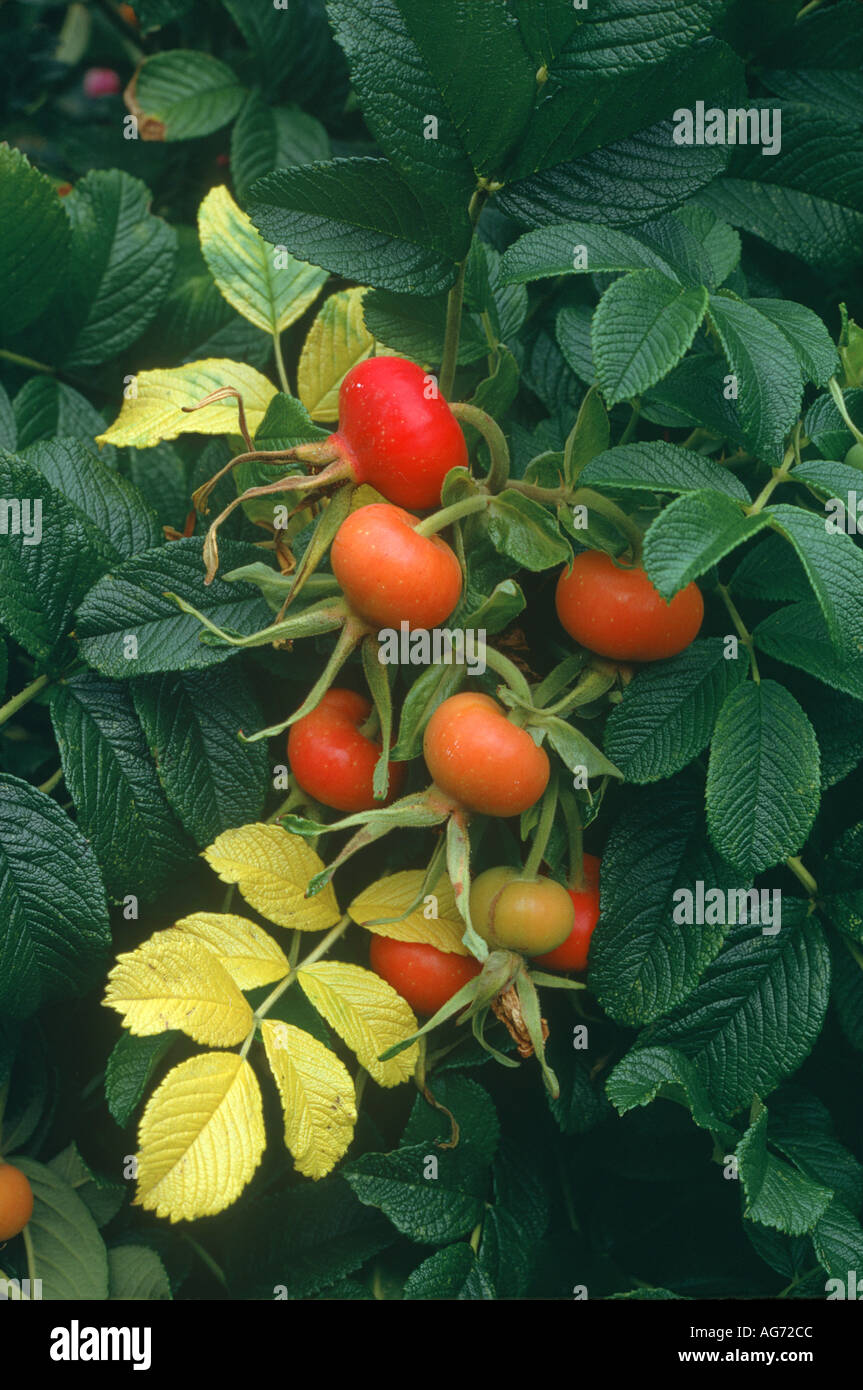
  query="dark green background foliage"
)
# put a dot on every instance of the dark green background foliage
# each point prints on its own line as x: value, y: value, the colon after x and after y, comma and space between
x: 705, y: 262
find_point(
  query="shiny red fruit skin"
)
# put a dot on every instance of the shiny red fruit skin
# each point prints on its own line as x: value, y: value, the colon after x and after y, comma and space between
x: 333, y: 761
x: 615, y: 611
x: 398, y: 438
x: 424, y: 976
x: 16, y: 1201
x: 571, y: 954
x: 389, y: 574
x: 476, y: 756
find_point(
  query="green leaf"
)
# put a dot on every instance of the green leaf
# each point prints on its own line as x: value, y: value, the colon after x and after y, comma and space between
x: 621, y: 184
x: 646, y: 1073
x: 798, y: 636
x: 266, y: 137
x: 102, y: 1197
x: 191, y: 93
x: 834, y: 565
x: 576, y: 750
x: 643, y: 325
x: 121, y: 806
x: 776, y: 1195
x: 700, y: 392
x: 69, y: 1255
x: 816, y: 352
x: 692, y: 534
x: 244, y: 267
x: 719, y: 241
x: 8, y: 427
x: 358, y: 218
x: 590, y: 437
x: 55, y: 934
x: 669, y: 709
x: 159, y: 474
x: 831, y: 479
x: 769, y: 381
x: 136, y: 1274
x: 429, y: 690
x: 212, y: 780
x: 771, y: 573
x: 806, y: 199
x: 758, y: 1011
x: 432, y: 1198
x: 763, y: 780
x: 103, y: 499
x: 641, y: 960
x: 525, y: 531
x: 848, y: 994
x: 474, y: 1111
x: 34, y: 241
x: 655, y: 466
x: 416, y: 327
x: 304, y: 1240
x: 40, y: 584
x: 803, y: 1132
x: 129, y: 1070
x: 116, y: 244
x: 578, y: 248
x: 825, y: 427
x: 449, y: 1274
x: 572, y: 331
x: 838, y: 1241
x: 131, y: 602
x: 45, y: 408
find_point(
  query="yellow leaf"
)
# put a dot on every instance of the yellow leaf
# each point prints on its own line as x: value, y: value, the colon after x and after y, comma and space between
x: 367, y: 1013
x: 337, y: 340
x: 317, y: 1097
x: 173, y: 981
x: 390, y: 896
x: 155, y: 412
x: 201, y: 1137
x: 248, y: 953
x: 271, y: 294
x: 272, y: 869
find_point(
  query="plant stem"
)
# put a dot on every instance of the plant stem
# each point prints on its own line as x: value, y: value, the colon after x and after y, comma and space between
x: 26, y: 362
x: 448, y: 515
x: 321, y: 949
x: 280, y: 362
x: 603, y: 506
x: 23, y: 697
x: 543, y: 830
x: 509, y: 671
x: 632, y: 422
x: 494, y: 437
x: 779, y: 475
x: 456, y: 302
x: 742, y: 631
x: 206, y: 1258
x: 54, y: 780
x: 800, y: 871
x: 839, y: 400
x: 575, y: 830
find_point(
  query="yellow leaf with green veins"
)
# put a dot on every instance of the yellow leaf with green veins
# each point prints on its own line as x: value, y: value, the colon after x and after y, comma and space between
x: 248, y: 953
x: 268, y: 287
x: 391, y: 896
x: 317, y: 1094
x: 337, y: 340
x: 201, y: 1137
x: 155, y: 411
x: 367, y: 1013
x: 174, y: 981
x: 272, y: 869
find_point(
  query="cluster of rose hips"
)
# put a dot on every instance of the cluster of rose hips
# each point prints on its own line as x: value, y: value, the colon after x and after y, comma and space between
x: 400, y: 438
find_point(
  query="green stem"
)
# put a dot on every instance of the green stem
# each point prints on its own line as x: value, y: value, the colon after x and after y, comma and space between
x: 632, y: 422
x: 31, y: 1255
x: 839, y: 399
x: 603, y: 506
x: 509, y: 671
x: 575, y: 831
x: 206, y: 1258
x: 455, y: 304
x: 280, y: 362
x: 543, y: 830
x: 800, y: 871
x: 54, y: 780
x: 742, y: 631
x: 439, y: 520
x: 23, y: 698
x: 494, y: 437
x: 321, y: 949
x: 26, y: 362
